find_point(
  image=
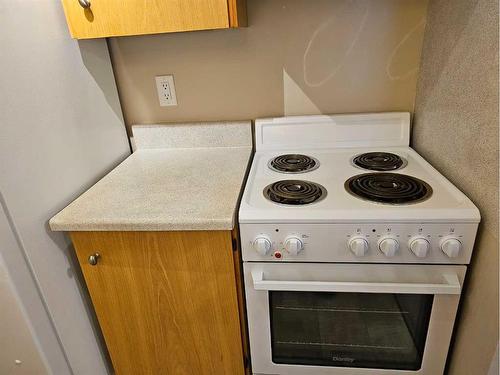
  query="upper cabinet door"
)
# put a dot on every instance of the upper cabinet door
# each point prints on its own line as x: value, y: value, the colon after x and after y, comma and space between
x: 106, y: 18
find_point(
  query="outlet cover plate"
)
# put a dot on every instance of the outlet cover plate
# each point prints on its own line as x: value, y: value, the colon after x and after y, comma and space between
x: 166, y: 90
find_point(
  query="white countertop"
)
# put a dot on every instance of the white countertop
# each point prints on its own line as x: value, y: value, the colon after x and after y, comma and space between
x: 165, y: 189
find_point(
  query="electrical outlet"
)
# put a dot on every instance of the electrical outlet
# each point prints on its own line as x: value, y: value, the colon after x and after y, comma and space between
x: 166, y: 90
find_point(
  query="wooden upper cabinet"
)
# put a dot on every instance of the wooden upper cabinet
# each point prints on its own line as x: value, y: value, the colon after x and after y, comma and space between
x: 108, y: 18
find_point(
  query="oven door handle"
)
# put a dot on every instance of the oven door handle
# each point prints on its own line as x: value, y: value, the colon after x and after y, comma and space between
x: 451, y: 285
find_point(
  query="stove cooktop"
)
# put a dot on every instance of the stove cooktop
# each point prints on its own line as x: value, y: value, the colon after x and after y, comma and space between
x: 348, y: 188
x: 337, y: 189
x: 345, y: 168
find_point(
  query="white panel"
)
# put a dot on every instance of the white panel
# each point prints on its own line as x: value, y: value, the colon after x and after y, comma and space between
x: 328, y: 242
x: 329, y: 131
x: 62, y: 129
x: 28, y: 295
x: 19, y: 354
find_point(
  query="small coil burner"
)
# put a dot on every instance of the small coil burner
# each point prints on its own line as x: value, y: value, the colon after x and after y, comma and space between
x: 294, y: 192
x: 379, y: 161
x: 392, y: 188
x: 293, y: 163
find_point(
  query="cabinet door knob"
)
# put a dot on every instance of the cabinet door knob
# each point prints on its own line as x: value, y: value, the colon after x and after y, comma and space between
x: 84, y: 3
x: 94, y: 258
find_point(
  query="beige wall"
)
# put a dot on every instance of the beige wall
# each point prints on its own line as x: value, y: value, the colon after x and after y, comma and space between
x: 456, y: 129
x: 296, y: 57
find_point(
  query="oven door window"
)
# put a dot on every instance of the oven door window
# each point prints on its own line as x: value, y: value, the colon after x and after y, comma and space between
x: 382, y: 331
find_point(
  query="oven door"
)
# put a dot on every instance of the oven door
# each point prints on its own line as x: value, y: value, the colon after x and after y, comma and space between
x: 317, y: 318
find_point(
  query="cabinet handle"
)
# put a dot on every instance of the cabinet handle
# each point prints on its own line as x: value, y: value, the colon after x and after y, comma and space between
x: 84, y: 3
x: 94, y: 258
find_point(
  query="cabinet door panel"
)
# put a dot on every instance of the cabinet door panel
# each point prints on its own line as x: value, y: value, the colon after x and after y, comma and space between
x: 107, y: 18
x: 166, y: 301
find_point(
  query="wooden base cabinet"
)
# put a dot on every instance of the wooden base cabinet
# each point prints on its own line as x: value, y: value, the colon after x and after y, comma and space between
x: 167, y: 302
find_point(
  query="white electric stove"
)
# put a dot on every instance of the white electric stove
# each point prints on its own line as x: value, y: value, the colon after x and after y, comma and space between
x: 353, y: 246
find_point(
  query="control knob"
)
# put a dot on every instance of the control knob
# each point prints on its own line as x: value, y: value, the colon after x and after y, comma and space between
x: 389, y: 246
x: 419, y: 246
x: 358, y: 245
x: 451, y: 246
x: 293, y: 245
x: 262, y: 245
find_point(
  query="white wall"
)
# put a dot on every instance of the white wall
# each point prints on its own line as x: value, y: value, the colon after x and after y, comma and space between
x: 22, y: 354
x: 61, y: 130
x: 27, y: 293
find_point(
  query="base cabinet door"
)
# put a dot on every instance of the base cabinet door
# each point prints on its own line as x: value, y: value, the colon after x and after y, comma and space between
x: 166, y: 301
